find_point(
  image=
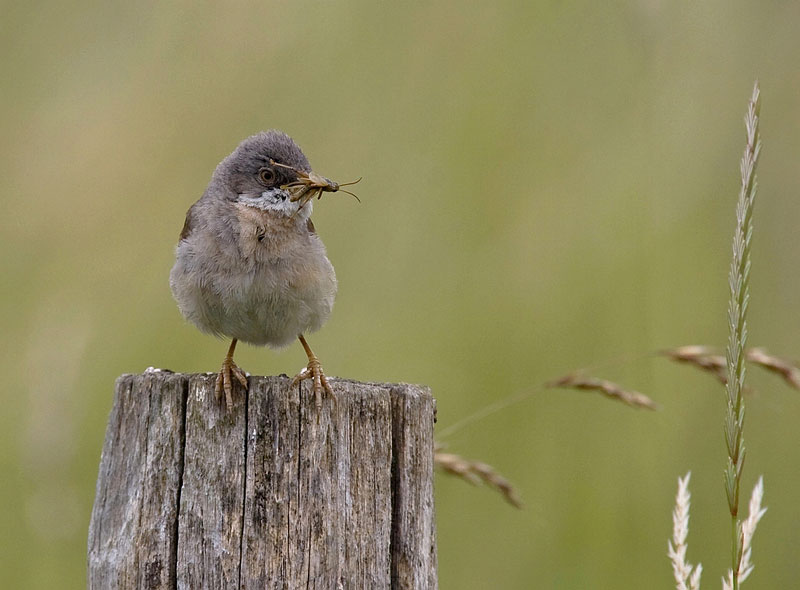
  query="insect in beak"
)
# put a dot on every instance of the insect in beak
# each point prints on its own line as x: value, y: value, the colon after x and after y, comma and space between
x: 309, y: 185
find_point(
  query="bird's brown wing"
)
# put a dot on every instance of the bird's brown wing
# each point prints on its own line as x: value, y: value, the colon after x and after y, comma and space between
x: 189, y: 224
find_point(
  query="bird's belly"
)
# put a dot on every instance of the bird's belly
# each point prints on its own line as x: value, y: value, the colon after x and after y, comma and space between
x: 267, y: 304
x: 276, y: 314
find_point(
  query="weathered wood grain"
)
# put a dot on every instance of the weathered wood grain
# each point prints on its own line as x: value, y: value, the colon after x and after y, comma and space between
x: 413, y: 533
x: 270, y: 494
x: 210, y: 519
x: 133, y: 531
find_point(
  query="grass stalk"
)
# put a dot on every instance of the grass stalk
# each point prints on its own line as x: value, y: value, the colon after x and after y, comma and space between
x: 739, y: 282
x: 732, y: 373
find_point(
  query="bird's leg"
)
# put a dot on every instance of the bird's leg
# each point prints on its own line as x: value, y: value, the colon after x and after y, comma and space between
x: 314, y: 371
x: 224, y: 382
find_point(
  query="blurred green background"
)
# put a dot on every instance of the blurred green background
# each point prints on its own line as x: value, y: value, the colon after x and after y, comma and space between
x: 547, y: 186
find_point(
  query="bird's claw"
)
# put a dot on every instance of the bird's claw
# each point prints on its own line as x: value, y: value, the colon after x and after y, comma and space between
x: 225, y: 382
x: 314, y: 371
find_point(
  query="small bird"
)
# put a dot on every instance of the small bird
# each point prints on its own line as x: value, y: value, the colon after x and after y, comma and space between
x: 249, y: 264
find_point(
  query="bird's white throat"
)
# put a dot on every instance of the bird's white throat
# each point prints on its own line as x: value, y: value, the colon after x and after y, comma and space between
x: 276, y: 199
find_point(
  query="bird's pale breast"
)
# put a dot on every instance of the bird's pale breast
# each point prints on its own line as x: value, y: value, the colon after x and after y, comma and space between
x: 269, y: 285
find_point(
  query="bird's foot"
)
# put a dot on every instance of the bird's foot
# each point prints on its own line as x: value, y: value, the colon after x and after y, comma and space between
x: 225, y: 380
x: 314, y: 371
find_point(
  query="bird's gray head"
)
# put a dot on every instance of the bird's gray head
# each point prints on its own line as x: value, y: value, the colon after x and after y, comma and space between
x: 258, y: 171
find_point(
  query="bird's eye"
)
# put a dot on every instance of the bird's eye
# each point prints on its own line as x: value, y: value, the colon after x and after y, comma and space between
x: 266, y: 175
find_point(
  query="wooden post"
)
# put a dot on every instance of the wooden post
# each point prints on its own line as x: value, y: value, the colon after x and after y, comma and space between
x: 273, y: 494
